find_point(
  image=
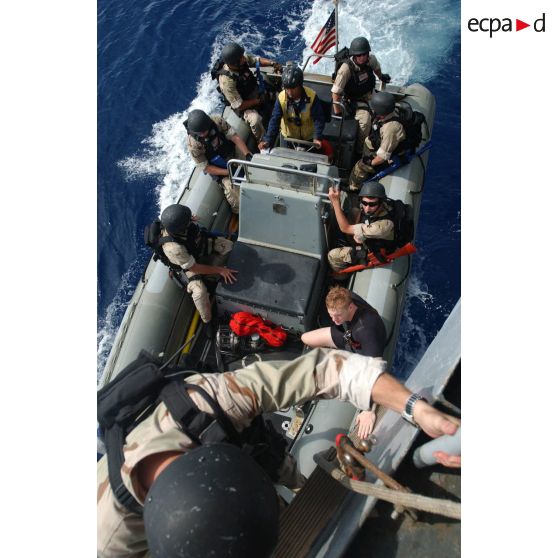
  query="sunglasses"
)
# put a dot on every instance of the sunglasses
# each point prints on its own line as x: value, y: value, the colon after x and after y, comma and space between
x: 369, y: 204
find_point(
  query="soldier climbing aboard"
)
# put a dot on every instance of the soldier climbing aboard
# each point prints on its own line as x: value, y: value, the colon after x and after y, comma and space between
x: 181, y: 486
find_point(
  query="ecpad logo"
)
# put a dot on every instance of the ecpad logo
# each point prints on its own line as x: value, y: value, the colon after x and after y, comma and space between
x: 493, y: 25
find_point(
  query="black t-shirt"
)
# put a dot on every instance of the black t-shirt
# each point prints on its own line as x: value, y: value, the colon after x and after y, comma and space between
x: 368, y: 333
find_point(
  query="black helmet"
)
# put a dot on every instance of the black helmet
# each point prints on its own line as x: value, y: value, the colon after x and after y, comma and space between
x: 372, y: 190
x: 292, y: 77
x: 212, y: 501
x: 176, y: 218
x: 360, y: 45
x: 382, y: 103
x: 197, y: 122
x: 231, y: 54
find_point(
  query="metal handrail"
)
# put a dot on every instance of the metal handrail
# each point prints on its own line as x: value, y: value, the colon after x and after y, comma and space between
x: 334, y: 182
x: 318, y: 56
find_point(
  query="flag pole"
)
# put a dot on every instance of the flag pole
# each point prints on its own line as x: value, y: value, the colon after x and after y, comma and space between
x: 335, y: 3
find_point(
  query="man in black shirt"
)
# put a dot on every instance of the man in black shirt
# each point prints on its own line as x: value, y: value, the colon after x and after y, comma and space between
x: 357, y: 327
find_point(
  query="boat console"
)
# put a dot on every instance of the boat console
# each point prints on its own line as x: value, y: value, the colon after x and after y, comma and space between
x: 281, y: 248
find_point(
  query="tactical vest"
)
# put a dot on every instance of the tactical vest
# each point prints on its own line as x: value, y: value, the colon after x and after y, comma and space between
x: 246, y: 82
x: 375, y: 136
x: 295, y: 123
x: 412, y: 122
x: 215, y: 144
x: 194, y: 242
x: 361, y: 82
x: 400, y: 214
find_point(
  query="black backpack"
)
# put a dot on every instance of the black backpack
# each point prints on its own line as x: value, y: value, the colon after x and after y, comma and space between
x: 215, y: 69
x: 412, y: 122
x: 402, y: 217
x: 341, y: 57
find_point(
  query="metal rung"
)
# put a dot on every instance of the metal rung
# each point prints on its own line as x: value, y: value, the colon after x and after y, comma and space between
x: 308, y: 515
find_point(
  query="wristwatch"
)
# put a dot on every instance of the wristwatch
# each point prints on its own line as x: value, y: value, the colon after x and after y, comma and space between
x: 407, y: 413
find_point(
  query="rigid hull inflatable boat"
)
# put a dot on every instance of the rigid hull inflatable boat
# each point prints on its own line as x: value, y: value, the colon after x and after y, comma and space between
x: 285, y: 228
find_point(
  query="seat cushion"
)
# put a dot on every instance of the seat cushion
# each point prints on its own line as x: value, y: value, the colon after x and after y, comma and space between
x: 268, y: 279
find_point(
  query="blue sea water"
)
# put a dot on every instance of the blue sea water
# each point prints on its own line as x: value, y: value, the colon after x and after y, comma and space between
x: 153, y: 62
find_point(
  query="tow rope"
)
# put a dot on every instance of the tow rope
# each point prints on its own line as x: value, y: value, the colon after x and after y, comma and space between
x: 373, y: 261
x: 244, y: 323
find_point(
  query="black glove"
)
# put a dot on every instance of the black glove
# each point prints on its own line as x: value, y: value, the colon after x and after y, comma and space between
x: 248, y: 156
x: 385, y: 78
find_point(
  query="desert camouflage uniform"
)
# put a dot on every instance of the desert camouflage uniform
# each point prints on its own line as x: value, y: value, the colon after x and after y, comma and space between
x: 362, y: 116
x: 244, y: 394
x: 197, y: 151
x: 391, y: 134
x: 340, y: 258
x: 178, y: 255
x: 228, y: 87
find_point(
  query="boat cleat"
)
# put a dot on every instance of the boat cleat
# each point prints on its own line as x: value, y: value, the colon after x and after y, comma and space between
x: 296, y: 423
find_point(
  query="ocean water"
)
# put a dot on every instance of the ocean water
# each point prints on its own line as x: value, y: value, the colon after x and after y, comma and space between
x: 153, y: 66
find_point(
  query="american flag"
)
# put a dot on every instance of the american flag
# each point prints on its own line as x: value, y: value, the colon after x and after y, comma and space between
x: 326, y: 38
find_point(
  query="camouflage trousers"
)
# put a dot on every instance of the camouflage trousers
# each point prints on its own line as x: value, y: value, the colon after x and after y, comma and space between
x: 232, y: 193
x: 243, y: 394
x: 364, y: 119
x: 254, y: 119
x: 219, y: 248
x: 340, y: 258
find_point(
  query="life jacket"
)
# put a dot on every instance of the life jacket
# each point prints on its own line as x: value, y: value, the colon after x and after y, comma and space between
x: 215, y: 143
x: 195, y: 242
x: 246, y: 82
x: 412, y: 122
x: 245, y: 323
x: 135, y: 393
x: 401, y: 214
x: 296, y: 123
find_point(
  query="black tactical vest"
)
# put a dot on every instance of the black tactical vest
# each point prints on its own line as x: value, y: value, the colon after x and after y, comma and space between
x: 246, y: 81
x: 361, y: 82
x: 216, y: 143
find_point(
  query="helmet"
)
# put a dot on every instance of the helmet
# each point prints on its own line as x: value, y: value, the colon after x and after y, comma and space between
x: 176, y: 218
x: 197, y: 122
x: 372, y: 190
x: 212, y: 501
x: 232, y: 53
x: 382, y: 103
x: 292, y: 77
x: 360, y: 45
